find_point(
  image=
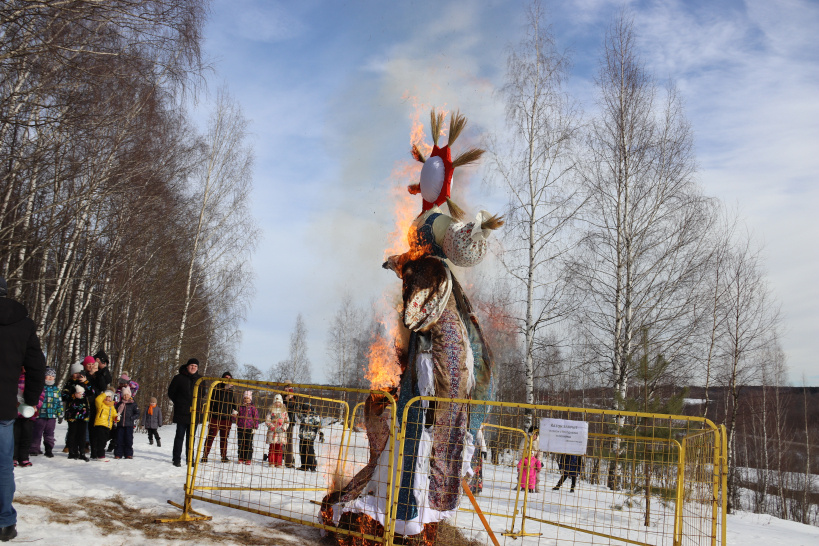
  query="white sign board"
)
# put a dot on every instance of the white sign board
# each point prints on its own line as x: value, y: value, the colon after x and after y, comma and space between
x: 563, y: 436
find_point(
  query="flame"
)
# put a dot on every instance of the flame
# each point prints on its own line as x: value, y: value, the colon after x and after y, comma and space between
x: 384, y: 369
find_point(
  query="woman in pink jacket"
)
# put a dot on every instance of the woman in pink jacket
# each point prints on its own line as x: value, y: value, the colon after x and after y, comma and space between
x: 528, y: 469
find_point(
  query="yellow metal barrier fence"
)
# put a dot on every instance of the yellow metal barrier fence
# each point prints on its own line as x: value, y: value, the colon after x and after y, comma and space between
x: 540, y: 474
x: 276, y: 459
x: 639, y: 478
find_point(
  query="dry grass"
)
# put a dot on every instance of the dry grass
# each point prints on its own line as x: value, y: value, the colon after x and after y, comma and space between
x: 450, y: 535
x: 114, y: 515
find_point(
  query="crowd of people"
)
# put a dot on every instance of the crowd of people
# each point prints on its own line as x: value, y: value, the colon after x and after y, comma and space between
x: 99, y: 413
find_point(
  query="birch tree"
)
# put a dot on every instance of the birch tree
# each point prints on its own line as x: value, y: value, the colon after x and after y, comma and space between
x: 751, y: 322
x: 536, y: 170
x: 347, y: 329
x: 642, y: 258
x: 296, y: 367
x: 643, y: 251
x: 222, y: 232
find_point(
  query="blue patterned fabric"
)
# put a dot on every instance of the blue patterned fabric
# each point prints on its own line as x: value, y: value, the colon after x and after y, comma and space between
x: 52, y: 407
x: 407, y: 504
x: 427, y: 239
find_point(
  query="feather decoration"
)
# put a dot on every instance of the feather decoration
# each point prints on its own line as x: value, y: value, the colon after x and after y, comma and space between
x: 493, y: 222
x: 457, y: 122
x: 470, y: 156
x: 454, y: 210
x: 414, y: 189
x: 416, y: 153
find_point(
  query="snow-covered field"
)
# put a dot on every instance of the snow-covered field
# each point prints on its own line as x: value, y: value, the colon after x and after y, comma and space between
x: 66, y: 502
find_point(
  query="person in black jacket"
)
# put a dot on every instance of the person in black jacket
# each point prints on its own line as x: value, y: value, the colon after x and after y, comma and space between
x: 19, y: 349
x: 221, y: 410
x: 569, y: 466
x: 180, y: 391
x: 293, y: 407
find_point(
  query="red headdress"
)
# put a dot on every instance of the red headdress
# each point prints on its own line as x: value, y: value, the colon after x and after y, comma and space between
x: 436, y: 175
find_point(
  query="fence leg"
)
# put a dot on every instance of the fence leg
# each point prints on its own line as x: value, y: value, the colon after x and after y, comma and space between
x: 186, y: 513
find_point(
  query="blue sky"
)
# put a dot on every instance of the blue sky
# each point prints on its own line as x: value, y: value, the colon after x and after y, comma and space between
x: 331, y: 87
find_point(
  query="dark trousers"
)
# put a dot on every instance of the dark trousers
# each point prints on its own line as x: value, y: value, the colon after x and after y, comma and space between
x: 563, y: 478
x: 245, y: 443
x: 43, y: 432
x: 181, y: 437
x: 75, y: 441
x: 289, y: 459
x: 22, y: 438
x: 220, y: 427
x: 307, y: 453
x: 125, y: 442
x: 153, y: 433
x: 100, y: 438
x: 92, y: 434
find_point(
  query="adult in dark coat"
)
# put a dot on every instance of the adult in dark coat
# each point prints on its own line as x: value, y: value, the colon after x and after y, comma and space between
x: 180, y: 391
x: 569, y: 466
x: 220, y: 417
x: 293, y: 407
x: 19, y: 349
x: 102, y: 377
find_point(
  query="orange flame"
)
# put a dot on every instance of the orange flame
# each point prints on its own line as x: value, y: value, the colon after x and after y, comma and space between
x: 384, y: 370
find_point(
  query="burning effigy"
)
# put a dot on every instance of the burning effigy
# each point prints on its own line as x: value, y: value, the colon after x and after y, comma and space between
x: 445, y: 356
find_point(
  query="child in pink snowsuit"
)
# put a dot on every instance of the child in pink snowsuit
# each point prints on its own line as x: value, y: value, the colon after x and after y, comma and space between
x: 528, y: 475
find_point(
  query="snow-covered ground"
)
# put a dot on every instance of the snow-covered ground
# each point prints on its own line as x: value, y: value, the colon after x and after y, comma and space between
x: 67, y: 502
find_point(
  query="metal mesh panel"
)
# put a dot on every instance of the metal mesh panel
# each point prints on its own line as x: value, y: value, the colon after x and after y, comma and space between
x: 255, y: 455
x: 402, y: 479
x: 642, y: 478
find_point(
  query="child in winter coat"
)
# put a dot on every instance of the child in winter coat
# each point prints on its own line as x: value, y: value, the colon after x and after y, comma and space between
x: 24, y: 425
x: 247, y: 420
x: 152, y: 420
x: 78, y: 377
x: 277, y: 422
x: 50, y: 412
x: 124, y: 381
x: 104, y: 418
x: 308, y: 430
x: 528, y: 469
x: 77, y: 411
x: 128, y: 416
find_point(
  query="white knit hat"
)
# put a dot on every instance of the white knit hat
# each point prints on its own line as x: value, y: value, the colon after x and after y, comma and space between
x: 76, y: 368
x: 79, y: 389
x: 277, y: 399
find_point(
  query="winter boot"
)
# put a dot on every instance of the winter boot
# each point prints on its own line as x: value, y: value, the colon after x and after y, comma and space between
x: 8, y: 533
x: 48, y: 452
x: 158, y: 444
